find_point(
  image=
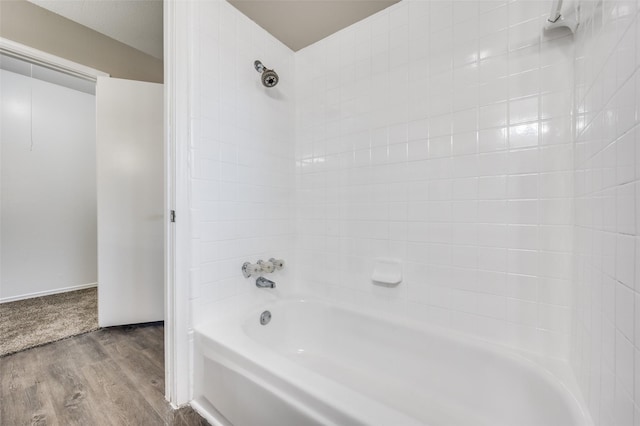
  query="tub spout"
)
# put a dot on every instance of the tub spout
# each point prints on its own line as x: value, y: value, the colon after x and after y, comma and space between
x: 262, y: 282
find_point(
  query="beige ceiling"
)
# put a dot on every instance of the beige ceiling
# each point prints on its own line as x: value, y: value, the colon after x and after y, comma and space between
x: 137, y: 23
x: 299, y: 23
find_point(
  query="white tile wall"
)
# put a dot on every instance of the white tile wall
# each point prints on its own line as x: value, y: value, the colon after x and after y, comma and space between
x: 242, y: 155
x: 606, y: 329
x: 439, y: 133
x: 498, y: 162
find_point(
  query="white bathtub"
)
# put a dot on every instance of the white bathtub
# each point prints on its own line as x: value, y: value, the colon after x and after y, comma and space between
x: 320, y: 364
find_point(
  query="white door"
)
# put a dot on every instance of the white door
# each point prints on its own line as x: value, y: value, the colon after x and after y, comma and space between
x: 130, y: 181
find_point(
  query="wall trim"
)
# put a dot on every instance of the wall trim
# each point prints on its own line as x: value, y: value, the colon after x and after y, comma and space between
x: 29, y: 54
x: 47, y: 292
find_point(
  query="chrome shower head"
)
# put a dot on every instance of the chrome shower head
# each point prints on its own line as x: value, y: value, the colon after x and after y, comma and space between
x: 269, y: 77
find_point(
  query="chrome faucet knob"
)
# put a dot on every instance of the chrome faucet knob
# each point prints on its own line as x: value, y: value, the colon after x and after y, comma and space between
x: 266, y: 267
x: 277, y: 263
x: 249, y: 269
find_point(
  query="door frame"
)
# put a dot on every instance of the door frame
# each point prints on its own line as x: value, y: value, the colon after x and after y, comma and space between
x: 33, y: 56
x: 178, y: 133
x: 176, y: 240
x: 38, y: 57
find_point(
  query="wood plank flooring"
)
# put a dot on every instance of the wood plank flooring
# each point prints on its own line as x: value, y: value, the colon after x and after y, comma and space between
x: 112, y: 376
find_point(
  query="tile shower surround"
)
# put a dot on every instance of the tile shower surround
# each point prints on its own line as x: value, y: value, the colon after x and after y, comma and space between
x: 440, y: 133
x: 446, y: 145
x: 605, y: 337
x: 242, y: 155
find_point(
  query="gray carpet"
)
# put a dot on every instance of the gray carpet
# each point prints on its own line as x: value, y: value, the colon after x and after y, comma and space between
x: 34, y: 322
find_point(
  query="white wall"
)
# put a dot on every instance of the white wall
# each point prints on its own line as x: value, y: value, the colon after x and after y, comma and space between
x: 242, y: 179
x: 606, y: 327
x: 48, y: 188
x: 439, y: 133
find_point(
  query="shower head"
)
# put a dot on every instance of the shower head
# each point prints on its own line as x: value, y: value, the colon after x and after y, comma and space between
x: 269, y: 77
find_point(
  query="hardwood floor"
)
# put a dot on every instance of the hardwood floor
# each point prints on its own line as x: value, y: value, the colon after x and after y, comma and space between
x: 112, y: 376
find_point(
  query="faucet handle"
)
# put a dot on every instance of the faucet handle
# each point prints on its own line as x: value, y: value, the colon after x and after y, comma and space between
x: 277, y: 263
x: 266, y: 267
x: 249, y: 269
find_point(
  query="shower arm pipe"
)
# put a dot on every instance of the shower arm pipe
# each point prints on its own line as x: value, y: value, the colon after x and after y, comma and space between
x: 555, y: 14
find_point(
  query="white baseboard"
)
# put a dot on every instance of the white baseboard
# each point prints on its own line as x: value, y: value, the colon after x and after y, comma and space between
x: 47, y: 293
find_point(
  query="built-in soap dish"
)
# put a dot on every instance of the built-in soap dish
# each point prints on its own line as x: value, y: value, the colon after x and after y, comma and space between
x: 387, y: 272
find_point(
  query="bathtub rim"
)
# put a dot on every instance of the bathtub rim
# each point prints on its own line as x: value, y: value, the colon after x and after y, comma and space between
x: 307, y: 383
x: 227, y: 330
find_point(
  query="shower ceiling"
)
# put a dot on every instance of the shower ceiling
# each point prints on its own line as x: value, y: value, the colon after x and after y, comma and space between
x: 299, y: 23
